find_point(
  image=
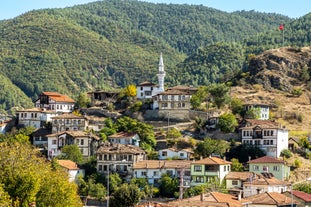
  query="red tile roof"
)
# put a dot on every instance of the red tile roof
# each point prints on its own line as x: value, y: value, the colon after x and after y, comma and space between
x: 123, y: 135
x: 58, y: 97
x: 147, y: 83
x: 266, y: 124
x: 212, y: 161
x: 266, y: 159
x: 68, y: 164
x: 302, y: 195
x: 271, y: 198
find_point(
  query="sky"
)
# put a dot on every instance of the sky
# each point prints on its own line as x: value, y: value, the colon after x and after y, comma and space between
x: 292, y: 8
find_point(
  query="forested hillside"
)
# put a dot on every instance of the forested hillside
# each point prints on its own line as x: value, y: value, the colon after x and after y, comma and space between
x: 115, y: 43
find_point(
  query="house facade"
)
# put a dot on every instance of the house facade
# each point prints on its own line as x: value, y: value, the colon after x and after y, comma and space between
x: 86, y: 142
x: 235, y: 180
x: 262, y: 109
x: 182, y: 154
x: 154, y: 169
x: 68, y: 122
x: 55, y: 101
x: 172, y: 99
x: 118, y: 158
x: 268, y: 164
x: 131, y: 138
x: 34, y: 117
x: 72, y: 169
x: 209, y: 169
x: 265, y: 134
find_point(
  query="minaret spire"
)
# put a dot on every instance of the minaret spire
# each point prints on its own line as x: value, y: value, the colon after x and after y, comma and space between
x: 161, y: 74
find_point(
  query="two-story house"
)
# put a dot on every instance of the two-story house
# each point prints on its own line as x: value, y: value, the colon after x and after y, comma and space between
x: 154, y: 169
x: 265, y: 134
x: 262, y: 109
x: 175, y: 153
x: 209, y: 169
x: 118, y: 158
x: 235, y: 181
x: 68, y: 122
x: 125, y: 138
x: 87, y: 142
x: 72, y: 169
x: 268, y: 164
x: 34, y: 117
x: 55, y: 101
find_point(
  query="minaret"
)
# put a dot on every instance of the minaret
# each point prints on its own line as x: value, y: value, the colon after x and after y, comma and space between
x: 161, y: 74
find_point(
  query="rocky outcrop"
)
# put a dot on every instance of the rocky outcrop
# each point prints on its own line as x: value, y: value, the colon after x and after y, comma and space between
x: 281, y: 68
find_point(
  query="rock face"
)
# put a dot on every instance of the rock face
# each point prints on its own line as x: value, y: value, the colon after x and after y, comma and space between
x: 281, y: 69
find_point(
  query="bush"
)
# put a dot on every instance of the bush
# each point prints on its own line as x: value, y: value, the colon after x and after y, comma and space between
x: 286, y: 153
x: 296, y: 92
x: 297, y: 163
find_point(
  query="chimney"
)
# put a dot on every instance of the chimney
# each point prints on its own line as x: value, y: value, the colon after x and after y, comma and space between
x: 224, y: 158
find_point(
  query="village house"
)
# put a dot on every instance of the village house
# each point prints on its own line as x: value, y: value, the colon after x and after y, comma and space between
x: 268, y: 164
x: 72, y: 169
x: 34, y: 117
x: 265, y: 183
x: 175, y: 153
x: 86, y: 142
x: 154, y: 169
x: 303, y: 199
x: 6, y: 123
x: 55, y: 101
x: 235, y: 180
x: 272, y: 199
x: 263, y: 110
x: 265, y: 134
x: 69, y: 122
x: 118, y: 158
x: 209, y: 169
x: 40, y: 138
x: 147, y: 90
x: 131, y: 138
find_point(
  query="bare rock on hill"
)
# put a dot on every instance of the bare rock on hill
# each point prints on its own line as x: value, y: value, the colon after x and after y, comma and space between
x: 280, y: 68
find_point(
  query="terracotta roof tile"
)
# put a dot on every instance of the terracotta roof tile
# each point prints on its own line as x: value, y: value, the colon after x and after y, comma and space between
x: 266, y: 124
x: 68, y: 164
x: 162, y: 164
x: 243, y: 176
x: 147, y: 83
x: 116, y: 148
x: 30, y: 110
x: 302, y: 195
x: 68, y: 116
x: 212, y: 161
x: 266, y: 159
x: 175, y: 92
x: 271, y: 198
x: 123, y: 135
x: 59, y: 97
x: 267, y: 181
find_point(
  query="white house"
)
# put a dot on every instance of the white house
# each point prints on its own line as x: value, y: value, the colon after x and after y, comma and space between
x: 154, y: 169
x: 87, y: 142
x: 72, y: 168
x: 131, y: 138
x: 263, y: 109
x: 69, y: 122
x: 147, y: 90
x: 235, y: 180
x: 182, y: 154
x: 55, y: 101
x: 34, y: 117
x: 265, y: 134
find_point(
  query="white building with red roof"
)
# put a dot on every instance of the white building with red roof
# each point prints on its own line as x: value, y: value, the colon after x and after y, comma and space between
x: 72, y: 169
x: 131, y: 138
x: 267, y: 135
x: 55, y: 101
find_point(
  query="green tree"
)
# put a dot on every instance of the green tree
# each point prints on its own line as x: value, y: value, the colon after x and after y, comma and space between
x: 200, y: 96
x: 5, y: 200
x: 114, y: 182
x: 96, y: 190
x: 244, y: 152
x: 304, y: 187
x: 210, y: 146
x: 286, y: 153
x: 168, y: 186
x: 237, y: 106
x: 236, y: 166
x: 227, y: 123
x: 71, y: 152
x: 173, y: 134
x: 83, y: 100
x: 253, y: 113
x: 220, y: 94
x: 126, y: 195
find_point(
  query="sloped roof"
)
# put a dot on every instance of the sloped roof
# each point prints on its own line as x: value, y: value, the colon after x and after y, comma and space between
x: 68, y: 164
x: 175, y: 92
x: 68, y: 116
x: 265, y: 124
x: 174, y: 149
x: 272, y: 181
x: 41, y: 132
x: 162, y: 164
x: 123, y: 135
x: 75, y: 134
x: 59, y: 97
x: 243, y: 176
x: 147, y: 83
x: 212, y: 161
x: 29, y: 110
x: 266, y: 159
x: 302, y: 195
x: 271, y: 198
x: 116, y: 148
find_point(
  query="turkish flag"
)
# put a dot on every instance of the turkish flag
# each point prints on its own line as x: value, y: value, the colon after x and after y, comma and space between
x: 281, y: 27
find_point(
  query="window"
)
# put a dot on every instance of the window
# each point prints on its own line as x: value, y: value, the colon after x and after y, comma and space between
x: 172, y: 97
x: 81, y: 151
x: 276, y: 168
x: 31, y: 115
x: 225, y: 168
x: 143, y: 173
x: 199, y: 179
x: 67, y: 121
x: 234, y: 182
x: 169, y: 172
x: 141, y: 88
x: 265, y: 168
x: 100, y: 168
x: 164, y: 153
x: 155, y: 173
x: 256, y: 167
x: 100, y: 157
x: 151, y: 88
x: 130, y: 158
x: 183, y: 105
x: 54, y: 141
x: 197, y: 168
x: 105, y: 157
x: 181, y: 154
x: 82, y: 142
x: 141, y: 94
